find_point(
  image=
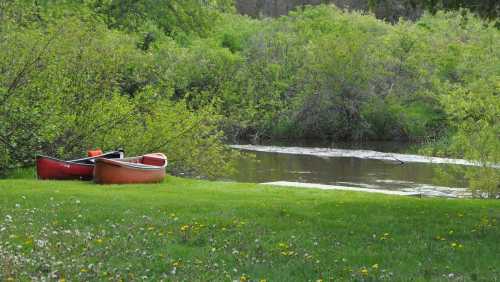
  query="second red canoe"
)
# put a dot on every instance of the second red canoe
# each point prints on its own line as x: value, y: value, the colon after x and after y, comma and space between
x: 148, y: 168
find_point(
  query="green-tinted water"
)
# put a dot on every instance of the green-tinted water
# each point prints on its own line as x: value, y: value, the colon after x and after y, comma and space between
x: 349, y: 171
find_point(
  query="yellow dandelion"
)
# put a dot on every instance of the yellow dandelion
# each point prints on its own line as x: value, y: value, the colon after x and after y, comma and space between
x: 375, y: 266
x: 83, y: 270
x: 364, y: 271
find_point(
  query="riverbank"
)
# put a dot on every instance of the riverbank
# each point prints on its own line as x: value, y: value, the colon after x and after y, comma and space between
x: 190, y: 230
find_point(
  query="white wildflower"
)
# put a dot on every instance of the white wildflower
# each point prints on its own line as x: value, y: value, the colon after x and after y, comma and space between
x: 41, y: 243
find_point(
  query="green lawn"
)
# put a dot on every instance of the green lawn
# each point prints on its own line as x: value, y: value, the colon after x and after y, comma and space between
x: 190, y: 230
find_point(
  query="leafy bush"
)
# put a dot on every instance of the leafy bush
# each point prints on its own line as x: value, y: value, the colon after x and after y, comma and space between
x: 75, y: 85
x: 470, y: 88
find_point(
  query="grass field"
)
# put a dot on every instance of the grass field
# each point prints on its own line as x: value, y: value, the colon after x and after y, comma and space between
x: 190, y: 230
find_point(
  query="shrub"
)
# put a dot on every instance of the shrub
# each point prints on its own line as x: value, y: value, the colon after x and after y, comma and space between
x: 74, y: 85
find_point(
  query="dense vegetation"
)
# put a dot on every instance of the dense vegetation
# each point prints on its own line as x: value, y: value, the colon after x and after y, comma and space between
x: 389, y: 10
x: 68, y: 82
x: 488, y: 9
x: 175, y: 75
x: 191, y: 230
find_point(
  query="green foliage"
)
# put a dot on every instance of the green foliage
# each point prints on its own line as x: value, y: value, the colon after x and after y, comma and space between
x: 335, y: 82
x: 76, y: 85
x: 410, y: 9
x: 470, y: 90
x: 323, y: 73
x: 476, y: 115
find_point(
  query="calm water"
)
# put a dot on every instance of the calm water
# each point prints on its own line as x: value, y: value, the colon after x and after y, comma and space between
x: 349, y: 171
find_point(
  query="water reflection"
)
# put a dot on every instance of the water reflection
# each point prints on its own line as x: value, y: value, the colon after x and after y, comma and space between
x: 344, y: 171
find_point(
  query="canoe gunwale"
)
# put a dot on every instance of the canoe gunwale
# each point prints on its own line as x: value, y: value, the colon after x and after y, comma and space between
x: 125, y: 164
x: 71, y: 162
x: 82, y: 160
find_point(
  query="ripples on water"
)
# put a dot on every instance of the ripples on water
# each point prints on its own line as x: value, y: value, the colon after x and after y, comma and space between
x: 352, y: 168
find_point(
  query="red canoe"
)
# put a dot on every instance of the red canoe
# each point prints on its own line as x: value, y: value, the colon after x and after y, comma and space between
x: 80, y: 169
x: 149, y: 168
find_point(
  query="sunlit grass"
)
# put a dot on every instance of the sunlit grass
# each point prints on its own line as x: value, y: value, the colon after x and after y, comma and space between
x: 196, y: 230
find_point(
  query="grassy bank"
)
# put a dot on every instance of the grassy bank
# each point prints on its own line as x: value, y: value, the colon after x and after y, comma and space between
x: 195, y: 230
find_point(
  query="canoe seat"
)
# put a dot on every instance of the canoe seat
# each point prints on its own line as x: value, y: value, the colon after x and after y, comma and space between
x: 153, y: 159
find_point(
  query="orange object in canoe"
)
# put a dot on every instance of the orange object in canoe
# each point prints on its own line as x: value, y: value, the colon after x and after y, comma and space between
x: 94, y: 153
x: 149, y: 168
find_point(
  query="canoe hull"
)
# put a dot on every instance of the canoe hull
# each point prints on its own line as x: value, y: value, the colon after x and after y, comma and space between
x: 49, y: 168
x: 54, y: 169
x: 131, y: 171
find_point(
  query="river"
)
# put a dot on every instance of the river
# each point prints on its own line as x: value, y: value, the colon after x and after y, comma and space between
x: 370, y: 165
